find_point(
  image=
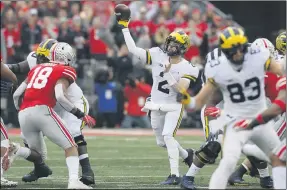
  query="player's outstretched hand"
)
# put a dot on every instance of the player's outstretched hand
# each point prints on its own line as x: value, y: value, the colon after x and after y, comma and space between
x: 212, y: 111
x: 123, y: 15
x: 183, y: 97
x: 91, y: 122
x: 242, y: 125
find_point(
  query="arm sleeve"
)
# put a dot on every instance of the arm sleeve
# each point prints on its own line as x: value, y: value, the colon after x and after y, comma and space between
x: 22, y: 67
x: 63, y: 101
x: 69, y: 73
x: 140, y: 53
x: 17, y: 94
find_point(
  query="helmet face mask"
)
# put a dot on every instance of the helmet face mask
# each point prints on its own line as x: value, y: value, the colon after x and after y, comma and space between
x: 176, y: 44
x: 236, y: 53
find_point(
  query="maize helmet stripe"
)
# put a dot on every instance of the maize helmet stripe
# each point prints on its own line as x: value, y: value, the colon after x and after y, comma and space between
x: 45, y: 46
x: 178, y: 37
x: 231, y: 37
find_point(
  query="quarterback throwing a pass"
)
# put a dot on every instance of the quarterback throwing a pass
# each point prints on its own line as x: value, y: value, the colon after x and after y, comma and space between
x: 170, y: 73
x: 238, y: 73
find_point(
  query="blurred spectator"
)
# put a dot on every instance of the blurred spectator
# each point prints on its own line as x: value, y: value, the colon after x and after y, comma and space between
x: 80, y: 37
x: 49, y: 29
x: 121, y: 64
x: 65, y: 32
x: 136, y: 91
x: 107, y: 92
x: 31, y: 32
x: 98, y: 48
x: 51, y: 8
x: 12, y: 39
x: 161, y: 32
x: 75, y: 9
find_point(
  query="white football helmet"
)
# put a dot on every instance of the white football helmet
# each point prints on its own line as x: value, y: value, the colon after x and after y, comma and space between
x: 62, y: 53
x: 265, y: 43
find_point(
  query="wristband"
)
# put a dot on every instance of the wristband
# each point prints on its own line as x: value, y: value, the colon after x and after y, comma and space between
x: 78, y: 113
x: 260, y: 119
x: 281, y: 104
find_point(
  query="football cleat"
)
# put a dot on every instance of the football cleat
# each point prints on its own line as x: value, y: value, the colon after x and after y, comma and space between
x: 266, y: 182
x: 171, y: 180
x: 76, y: 184
x: 187, y: 182
x: 235, y: 179
x: 7, y: 183
x: 39, y: 172
x: 188, y: 161
x: 88, y: 178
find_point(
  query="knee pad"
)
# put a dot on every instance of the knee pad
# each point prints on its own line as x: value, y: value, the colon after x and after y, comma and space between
x: 5, y: 143
x: 80, y: 141
x: 208, y: 153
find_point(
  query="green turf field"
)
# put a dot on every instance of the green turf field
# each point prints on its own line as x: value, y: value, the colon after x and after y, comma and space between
x: 118, y: 163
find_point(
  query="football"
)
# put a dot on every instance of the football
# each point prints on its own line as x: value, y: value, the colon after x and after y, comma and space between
x: 122, y: 12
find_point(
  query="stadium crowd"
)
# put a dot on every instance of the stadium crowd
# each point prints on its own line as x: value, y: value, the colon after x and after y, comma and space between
x: 115, y: 83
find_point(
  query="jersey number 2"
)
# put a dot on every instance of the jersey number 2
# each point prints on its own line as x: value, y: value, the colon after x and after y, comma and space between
x: 236, y: 90
x: 161, y: 84
x: 40, y: 77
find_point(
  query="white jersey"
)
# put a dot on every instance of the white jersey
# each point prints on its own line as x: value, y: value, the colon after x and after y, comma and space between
x: 161, y: 92
x: 74, y: 92
x: 243, y: 91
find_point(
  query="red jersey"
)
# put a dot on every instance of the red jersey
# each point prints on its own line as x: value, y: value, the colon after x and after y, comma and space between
x: 270, y: 85
x: 42, y: 80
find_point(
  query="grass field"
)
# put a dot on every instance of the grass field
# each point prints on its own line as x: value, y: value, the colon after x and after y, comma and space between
x: 119, y: 162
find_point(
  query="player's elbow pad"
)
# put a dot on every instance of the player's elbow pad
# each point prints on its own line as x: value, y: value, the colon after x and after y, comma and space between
x: 60, y: 97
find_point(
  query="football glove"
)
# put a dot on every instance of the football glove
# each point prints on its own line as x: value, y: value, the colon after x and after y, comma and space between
x: 123, y: 15
x: 183, y: 97
x: 91, y: 122
x: 243, y: 125
x: 212, y: 111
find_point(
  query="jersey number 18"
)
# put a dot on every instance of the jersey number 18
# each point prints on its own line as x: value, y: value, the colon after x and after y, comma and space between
x: 40, y: 77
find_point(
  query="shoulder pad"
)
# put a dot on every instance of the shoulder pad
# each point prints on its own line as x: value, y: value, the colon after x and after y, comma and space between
x: 214, y: 55
x: 32, y: 60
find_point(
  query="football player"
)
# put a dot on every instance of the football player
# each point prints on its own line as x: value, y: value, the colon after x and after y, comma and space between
x: 74, y: 125
x: 36, y: 112
x: 170, y: 72
x: 238, y: 73
x: 213, y: 136
x: 6, y: 74
x: 278, y: 158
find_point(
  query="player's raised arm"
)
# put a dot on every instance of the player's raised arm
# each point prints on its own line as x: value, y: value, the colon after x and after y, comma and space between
x: 7, y: 74
x: 69, y: 76
x: 123, y: 13
x: 21, y: 67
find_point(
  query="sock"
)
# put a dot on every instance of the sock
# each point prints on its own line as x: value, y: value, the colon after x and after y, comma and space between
x: 193, y: 170
x: 73, y: 167
x: 182, y: 152
x: 279, y: 177
x: 173, y: 154
x: 84, y: 159
x: 241, y: 170
x: 263, y: 172
x: 23, y: 152
x: 1, y: 167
